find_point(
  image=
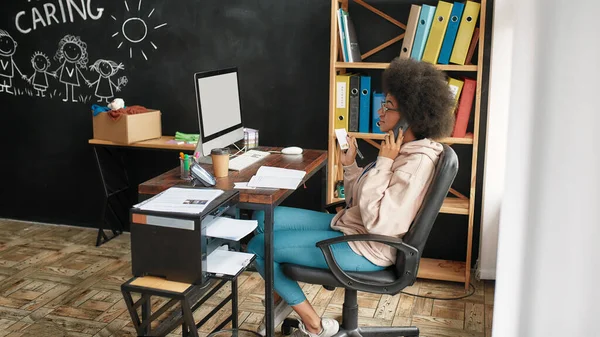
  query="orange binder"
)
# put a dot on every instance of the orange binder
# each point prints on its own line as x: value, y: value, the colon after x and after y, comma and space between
x: 411, y: 30
x: 437, y: 32
x: 465, y: 32
x: 474, y: 41
x: 464, y: 108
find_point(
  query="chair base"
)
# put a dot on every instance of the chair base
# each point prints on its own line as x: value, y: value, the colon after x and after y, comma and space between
x: 383, y: 331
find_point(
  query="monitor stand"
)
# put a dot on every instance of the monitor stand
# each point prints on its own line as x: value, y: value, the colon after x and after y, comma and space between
x: 208, y: 159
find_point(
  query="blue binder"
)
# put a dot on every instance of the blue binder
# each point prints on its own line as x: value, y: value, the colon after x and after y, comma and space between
x: 342, y: 32
x: 451, y: 31
x: 425, y: 21
x: 364, y: 113
x: 377, y: 99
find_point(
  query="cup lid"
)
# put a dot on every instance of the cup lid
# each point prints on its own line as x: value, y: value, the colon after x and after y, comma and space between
x: 219, y: 151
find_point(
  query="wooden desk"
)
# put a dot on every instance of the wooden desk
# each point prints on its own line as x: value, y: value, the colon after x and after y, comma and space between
x: 113, y: 187
x: 265, y: 200
x: 310, y: 161
x: 161, y: 143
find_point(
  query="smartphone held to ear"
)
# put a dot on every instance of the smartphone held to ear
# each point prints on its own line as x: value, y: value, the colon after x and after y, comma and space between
x: 401, y: 125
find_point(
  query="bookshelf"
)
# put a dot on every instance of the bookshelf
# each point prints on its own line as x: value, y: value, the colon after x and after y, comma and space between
x: 456, y: 203
x: 383, y: 65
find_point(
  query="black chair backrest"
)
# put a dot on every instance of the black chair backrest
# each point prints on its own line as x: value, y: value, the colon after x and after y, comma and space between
x: 442, y: 180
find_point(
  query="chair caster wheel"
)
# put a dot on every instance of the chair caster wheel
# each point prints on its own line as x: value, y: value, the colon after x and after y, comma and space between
x: 287, y: 325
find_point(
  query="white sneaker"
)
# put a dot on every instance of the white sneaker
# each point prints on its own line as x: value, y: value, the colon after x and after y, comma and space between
x: 330, y: 328
x: 282, y: 310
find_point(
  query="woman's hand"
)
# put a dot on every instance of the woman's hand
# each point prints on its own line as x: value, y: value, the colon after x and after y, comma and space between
x: 390, y: 148
x: 348, y: 157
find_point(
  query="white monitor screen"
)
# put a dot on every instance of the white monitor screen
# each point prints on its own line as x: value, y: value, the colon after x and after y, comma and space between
x: 219, y: 103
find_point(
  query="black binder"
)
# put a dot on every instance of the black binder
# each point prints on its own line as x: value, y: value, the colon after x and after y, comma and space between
x: 160, y: 246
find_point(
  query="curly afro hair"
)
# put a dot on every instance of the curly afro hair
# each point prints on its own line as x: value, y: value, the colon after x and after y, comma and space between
x: 423, y: 96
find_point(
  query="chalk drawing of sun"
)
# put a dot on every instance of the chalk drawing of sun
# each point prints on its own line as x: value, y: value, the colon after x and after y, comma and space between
x: 135, y: 29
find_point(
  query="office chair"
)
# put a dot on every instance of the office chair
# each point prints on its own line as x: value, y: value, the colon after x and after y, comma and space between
x: 390, y: 280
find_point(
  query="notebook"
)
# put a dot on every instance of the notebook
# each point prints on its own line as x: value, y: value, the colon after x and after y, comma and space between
x: 276, y: 177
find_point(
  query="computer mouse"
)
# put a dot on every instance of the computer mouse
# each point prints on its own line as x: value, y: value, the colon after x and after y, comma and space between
x: 292, y: 150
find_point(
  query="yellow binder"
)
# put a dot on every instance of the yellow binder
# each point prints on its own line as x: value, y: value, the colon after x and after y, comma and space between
x: 455, y: 87
x: 437, y: 32
x: 465, y: 32
x: 342, y: 101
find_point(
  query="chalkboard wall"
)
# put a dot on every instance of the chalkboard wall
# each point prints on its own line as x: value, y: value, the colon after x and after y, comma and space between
x: 59, y: 57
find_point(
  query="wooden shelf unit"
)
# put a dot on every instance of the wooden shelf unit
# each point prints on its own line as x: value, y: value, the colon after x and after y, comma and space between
x: 460, y: 205
x: 380, y: 136
x: 381, y: 65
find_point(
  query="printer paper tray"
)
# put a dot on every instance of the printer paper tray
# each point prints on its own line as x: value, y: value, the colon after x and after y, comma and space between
x: 225, y: 256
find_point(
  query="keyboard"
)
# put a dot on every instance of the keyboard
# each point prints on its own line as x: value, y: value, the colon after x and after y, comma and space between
x: 247, y: 159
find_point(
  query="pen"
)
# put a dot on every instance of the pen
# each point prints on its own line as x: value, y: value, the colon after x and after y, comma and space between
x: 359, y: 153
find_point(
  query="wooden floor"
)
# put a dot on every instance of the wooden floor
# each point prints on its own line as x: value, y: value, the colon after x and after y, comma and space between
x: 54, y: 282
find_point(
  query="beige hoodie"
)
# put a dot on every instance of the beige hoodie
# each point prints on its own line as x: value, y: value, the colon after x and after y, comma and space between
x: 386, y: 198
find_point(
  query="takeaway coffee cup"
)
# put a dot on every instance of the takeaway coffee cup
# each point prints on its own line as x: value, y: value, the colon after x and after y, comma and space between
x: 220, y: 160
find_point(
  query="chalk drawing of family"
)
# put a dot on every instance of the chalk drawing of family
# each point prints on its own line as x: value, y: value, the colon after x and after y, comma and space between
x: 72, y: 53
x: 104, y: 85
x: 72, y: 56
x: 8, y: 48
x: 39, y: 80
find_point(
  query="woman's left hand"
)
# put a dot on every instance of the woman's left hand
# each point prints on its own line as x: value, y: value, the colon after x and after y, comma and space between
x: 390, y: 147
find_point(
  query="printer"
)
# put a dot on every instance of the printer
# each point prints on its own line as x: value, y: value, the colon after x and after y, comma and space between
x: 174, y: 246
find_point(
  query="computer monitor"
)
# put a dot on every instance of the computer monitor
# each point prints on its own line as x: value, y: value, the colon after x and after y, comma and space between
x: 219, y: 111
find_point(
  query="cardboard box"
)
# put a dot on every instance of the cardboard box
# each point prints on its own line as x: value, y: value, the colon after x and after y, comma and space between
x: 128, y: 128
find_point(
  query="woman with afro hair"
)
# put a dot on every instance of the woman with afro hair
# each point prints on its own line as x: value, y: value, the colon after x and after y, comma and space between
x: 381, y: 198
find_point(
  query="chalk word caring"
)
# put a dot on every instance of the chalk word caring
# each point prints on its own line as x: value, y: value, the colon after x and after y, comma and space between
x: 57, y: 12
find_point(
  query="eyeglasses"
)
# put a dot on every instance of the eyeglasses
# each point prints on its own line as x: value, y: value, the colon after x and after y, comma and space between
x: 386, y: 109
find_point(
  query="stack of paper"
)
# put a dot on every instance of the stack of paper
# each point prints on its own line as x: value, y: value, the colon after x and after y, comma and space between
x: 275, y: 177
x: 180, y: 200
x: 244, y: 186
x: 228, y: 263
x: 227, y: 228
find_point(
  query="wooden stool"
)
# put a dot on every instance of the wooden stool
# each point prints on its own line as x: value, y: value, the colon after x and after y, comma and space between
x: 190, y: 297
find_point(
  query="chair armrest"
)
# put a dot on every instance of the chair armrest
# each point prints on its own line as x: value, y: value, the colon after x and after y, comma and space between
x: 406, y: 278
x: 332, y: 208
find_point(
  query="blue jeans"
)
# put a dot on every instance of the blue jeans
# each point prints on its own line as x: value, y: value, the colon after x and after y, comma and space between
x: 296, y: 231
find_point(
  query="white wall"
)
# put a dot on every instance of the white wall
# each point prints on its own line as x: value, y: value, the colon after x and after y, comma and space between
x: 548, y: 251
x: 496, y: 135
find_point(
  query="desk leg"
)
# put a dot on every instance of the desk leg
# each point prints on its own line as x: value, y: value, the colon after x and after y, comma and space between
x: 184, y: 329
x: 188, y: 318
x: 269, y: 305
x: 146, y: 313
x: 324, y: 189
x: 234, y: 303
x: 102, y: 237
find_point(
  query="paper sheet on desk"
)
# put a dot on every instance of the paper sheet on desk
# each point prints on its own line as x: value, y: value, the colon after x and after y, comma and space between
x: 275, y: 182
x: 269, y: 171
x: 275, y: 177
x: 181, y: 200
x: 230, y: 229
x: 244, y: 186
x: 226, y: 262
